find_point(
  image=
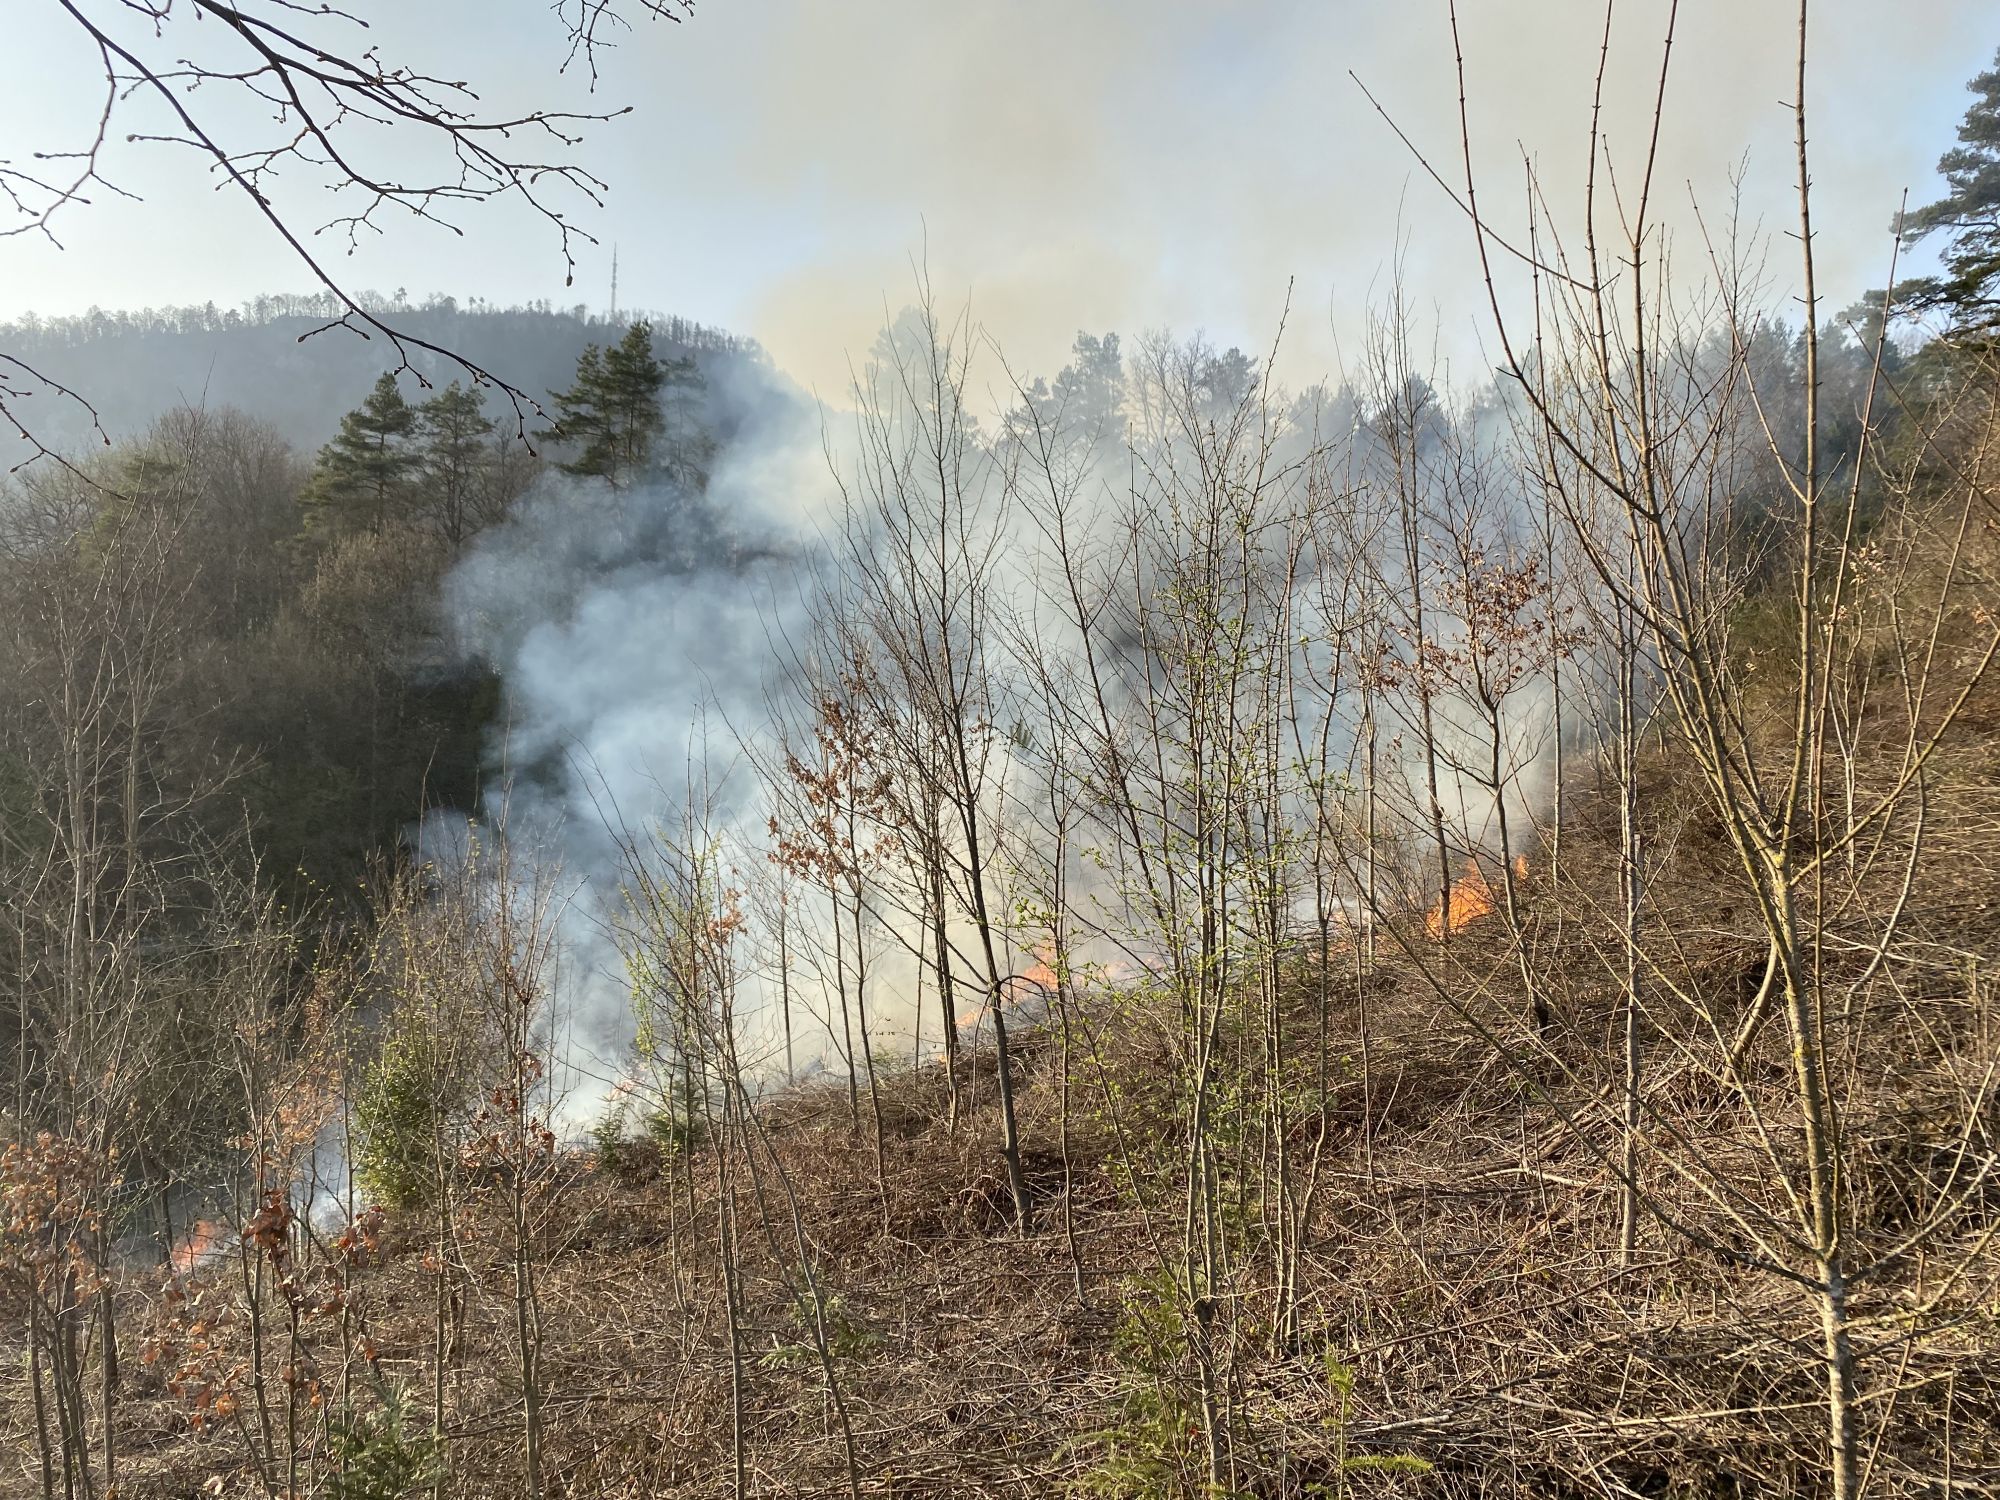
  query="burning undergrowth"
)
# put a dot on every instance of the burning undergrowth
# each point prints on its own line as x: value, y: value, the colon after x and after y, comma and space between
x: 1458, y: 1323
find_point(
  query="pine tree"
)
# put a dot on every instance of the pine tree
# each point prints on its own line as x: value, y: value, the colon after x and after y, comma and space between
x: 1090, y: 391
x: 1969, y: 214
x: 455, y: 456
x: 363, y: 475
x: 610, y: 417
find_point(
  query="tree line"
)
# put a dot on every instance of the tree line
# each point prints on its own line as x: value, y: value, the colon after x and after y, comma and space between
x: 262, y: 358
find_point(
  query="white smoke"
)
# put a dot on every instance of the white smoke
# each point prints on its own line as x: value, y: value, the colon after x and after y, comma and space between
x: 642, y: 637
x: 631, y: 630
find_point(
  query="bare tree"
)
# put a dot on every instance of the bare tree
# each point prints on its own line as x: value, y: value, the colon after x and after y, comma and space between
x: 1640, y: 433
x: 922, y: 548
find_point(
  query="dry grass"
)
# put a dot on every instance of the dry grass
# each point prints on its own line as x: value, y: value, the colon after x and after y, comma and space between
x: 1461, y: 1264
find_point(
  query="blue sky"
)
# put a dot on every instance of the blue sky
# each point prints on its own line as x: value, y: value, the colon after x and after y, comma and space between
x: 1065, y: 164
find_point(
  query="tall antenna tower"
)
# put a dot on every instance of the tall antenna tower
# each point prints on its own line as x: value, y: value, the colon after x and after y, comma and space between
x: 614, y: 281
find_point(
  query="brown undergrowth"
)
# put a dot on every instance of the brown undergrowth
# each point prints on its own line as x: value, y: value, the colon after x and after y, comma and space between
x: 1464, y: 1328
x: 1465, y: 1324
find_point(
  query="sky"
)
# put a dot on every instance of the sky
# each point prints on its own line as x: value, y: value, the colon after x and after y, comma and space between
x: 1057, y: 165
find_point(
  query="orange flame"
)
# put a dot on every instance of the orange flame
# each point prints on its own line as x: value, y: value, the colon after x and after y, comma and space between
x: 206, y: 1238
x: 1471, y: 897
x: 1038, y: 979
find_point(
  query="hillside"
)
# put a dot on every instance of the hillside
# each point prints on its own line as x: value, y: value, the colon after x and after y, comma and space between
x: 1135, y: 929
x: 276, y: 359
x: 1347, y: 1149
x: 1462, y: 1323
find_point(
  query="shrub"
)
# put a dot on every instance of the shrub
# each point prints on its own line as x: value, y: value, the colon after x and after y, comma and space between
x: 398, y: 1122
x: 633, y: 1162
x: 382, y: 1454
x: 1149, y: 1452
x: 674, y: 1130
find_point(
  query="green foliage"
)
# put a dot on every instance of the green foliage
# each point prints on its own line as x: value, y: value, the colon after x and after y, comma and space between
x: 399, y: 1121
x: 362, y: 477
x: 132, y: 362
x: 674, y: 1129
x: 625, y: 1158
x: 436, y: 464
x: 846, y: 1337
x: 610, y: 416
x: 1151, y: 1449
x: 455, y: 458
x: 608, y: 1134
x: 382, y: 1454
x: 1339, y: 1378
x: 1969, y: 217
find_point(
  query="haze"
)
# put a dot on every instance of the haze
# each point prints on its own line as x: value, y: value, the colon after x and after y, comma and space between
x: 1102, y: 164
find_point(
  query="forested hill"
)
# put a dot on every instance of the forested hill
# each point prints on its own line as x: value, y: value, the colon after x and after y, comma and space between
x: 266, y: 358
x: 258, y: 546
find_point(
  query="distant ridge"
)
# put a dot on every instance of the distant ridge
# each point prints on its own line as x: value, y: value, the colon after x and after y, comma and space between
x: 265, y: 358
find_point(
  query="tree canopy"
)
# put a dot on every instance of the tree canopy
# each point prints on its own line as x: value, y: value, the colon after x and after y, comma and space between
x: 610, y: 416
x: 1968, y: 290
x: 363, y: 472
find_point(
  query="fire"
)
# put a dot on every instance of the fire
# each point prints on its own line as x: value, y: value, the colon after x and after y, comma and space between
x: 205, y: 1239
x: 1471, y: 897
x: 1038, y: 977
x: 1037, y: 980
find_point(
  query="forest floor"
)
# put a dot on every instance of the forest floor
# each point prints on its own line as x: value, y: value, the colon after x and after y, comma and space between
x: 1462, y: 1320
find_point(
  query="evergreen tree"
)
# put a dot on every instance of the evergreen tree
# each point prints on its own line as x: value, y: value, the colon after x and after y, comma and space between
x: 361, y: 477
x: 1087, y: 399
x: 455, y: 456
x: 1226, y: 381
x: 610, y: 417
x: 1091, y: 388
x: 1969, y: 214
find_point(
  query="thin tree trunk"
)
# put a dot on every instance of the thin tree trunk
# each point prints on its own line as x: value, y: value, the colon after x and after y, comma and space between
x: 107, y: 1368
x: 1631, y: 892
x: 941, y: 954
x: 785, y: 986
x: 47, y: 1452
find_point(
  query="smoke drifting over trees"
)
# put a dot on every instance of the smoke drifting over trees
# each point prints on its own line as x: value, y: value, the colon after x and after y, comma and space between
x: 1122, y: 930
